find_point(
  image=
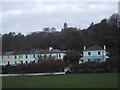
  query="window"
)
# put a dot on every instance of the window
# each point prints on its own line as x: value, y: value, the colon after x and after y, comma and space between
x: 50, y: 55
x: 34, y: 55
x: 26, y: 56
x: 99, y: 52
x: 21, y: 62
x: 21, y: 56
x: 59, y: 55
x: 89, y: 53
x: 8, y: 62
x: 98, y: 60
x: 26, y: 62
x: 89, y: 60
x: 45, y: 56
x: 15, y: 57
x: 15, y: 62
x: 38, y: 56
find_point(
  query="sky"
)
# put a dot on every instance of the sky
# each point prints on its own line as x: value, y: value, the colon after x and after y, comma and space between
x: 30, y: 16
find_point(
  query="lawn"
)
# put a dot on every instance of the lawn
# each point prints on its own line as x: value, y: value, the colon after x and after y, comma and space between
x: 103, y: 80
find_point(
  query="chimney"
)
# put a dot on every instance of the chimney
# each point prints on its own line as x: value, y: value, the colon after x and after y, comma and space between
x: 84, y: 48
x: 50, y: 48
x: 104, y: 47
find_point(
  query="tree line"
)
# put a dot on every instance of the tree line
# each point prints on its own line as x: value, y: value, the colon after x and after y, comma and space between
x: 42, y: 66
x: 69, y: 39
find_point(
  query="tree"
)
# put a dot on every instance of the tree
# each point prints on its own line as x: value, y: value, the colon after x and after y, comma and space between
x: 71, y: 57
x: 113, y: 20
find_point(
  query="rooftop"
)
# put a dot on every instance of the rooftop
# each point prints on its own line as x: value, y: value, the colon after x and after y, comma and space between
x: 38, y: 51
x: 95, y: 47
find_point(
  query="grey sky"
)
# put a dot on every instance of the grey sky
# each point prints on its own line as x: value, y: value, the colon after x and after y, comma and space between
x: 26, y: 17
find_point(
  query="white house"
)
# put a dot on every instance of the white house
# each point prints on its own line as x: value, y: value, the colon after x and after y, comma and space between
x: 94, y: 53
x: 18, y: 57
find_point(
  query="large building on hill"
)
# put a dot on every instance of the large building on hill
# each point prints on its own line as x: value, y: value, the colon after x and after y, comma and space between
x: 28, y: 56
x: 65, y: 26
x: 94, y: 53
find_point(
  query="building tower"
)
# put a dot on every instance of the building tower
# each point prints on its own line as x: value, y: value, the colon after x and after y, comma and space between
x: 65, y: 26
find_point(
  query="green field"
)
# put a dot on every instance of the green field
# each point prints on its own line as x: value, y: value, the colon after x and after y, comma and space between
x: 104, y: 80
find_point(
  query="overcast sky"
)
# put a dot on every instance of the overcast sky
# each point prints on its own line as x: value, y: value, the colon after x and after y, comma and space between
x: 26, y: 17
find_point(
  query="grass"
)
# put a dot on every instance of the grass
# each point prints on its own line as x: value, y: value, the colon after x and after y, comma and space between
x: 103, y: 80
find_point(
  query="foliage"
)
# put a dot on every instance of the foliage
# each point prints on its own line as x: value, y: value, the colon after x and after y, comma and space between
x: 71, y: 57
x: 48, y: 65
x: 96, y: 67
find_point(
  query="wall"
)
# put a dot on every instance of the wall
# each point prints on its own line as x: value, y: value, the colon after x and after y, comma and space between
x: 94, y: 55
x: 30, y: 57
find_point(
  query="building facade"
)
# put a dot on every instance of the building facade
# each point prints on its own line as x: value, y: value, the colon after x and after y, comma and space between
x: 65, y: 26
x: 21, y: 57
x: 94, y: 53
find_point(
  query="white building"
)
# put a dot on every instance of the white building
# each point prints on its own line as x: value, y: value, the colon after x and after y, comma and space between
x: 94, y: 53
x: 18, y: 57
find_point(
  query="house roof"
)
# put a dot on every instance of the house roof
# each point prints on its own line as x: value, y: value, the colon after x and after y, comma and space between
x: 56, y: 51
x: 8, y: 53
x: 42, y: 51
x: 95, y: 47
x: 22, y: 52
x: 39, y: 51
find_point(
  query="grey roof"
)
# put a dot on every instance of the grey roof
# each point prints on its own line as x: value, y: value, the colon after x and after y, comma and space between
x: 47, y: 51
x: 95, y: 47
x: 9, y: 53
x: 22, y: 52
x: 39, y: 51
x: 56, y: 51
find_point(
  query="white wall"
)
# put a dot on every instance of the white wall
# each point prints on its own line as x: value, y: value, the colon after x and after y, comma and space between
x: 94, y: 55
x: 30, y: 57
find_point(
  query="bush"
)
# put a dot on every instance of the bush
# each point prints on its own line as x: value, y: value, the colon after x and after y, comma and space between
x: 49, y: 65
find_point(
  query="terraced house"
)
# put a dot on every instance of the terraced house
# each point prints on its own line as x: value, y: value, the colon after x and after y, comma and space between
x: 28, y: 56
